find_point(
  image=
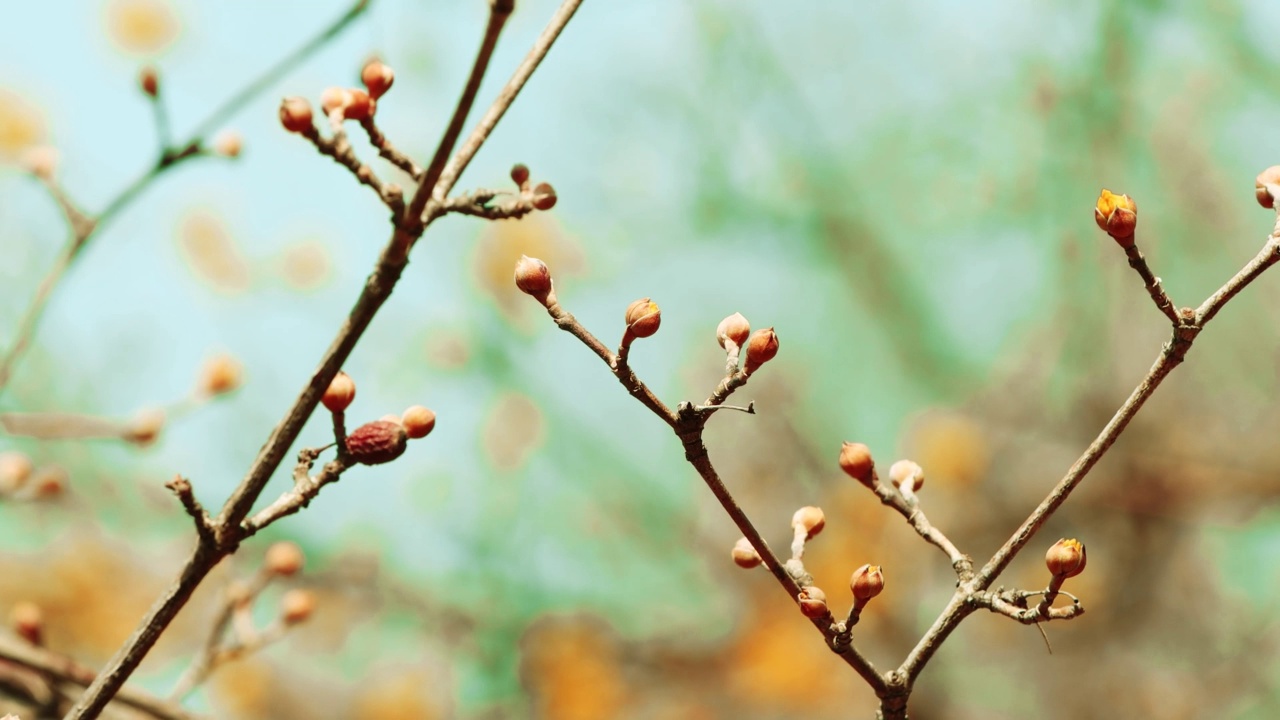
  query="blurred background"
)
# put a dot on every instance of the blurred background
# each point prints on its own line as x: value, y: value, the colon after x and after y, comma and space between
x: 904, y: 191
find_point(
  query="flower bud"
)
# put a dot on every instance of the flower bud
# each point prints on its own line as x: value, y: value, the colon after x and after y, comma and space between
x: 239, y: 594
x: 228, y: 144
x: 418, y: 421
x: 520, y: 174
x: 377, y: 77
x: 145, y: 427
x: 49, y: 482
x: 734, y: 329
x: 904, y: 470
x: 359, y: 105
x: 295, y: 114
x: 745, y: 555
x: 221, y: 374
x: 866, y: 583
x: 762, y: 346
x: 544, y: 196
x: 855, y: 459
x: 643, y: 318
x: 284, y: 559
x: 1270, y: 176
x: 15, y: 468
x: 1118, y: 216
x: 380, y: 441
x: 27, y: 621
x: 41, y: 161
x: 811, y: 519
x: 341, y: 391
x: 1066, y: 558
x: 813, y: 602
x: 296, y: 606
x: 533, y: 278
x: 149, y: 81
x: 334, y: 98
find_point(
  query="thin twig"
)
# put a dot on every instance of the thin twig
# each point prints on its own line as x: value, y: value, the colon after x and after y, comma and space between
x: 1154, y: 288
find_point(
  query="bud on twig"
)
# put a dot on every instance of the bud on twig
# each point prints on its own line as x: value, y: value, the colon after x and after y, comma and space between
x: 27, y: 621
x: 643, y: 318
x: 520, y: 175
x: 377, y: 77
x: 1118, y: 216
x: 907, y: 475
x: 534, y: 278
x: 1066, y: 558
x: 359, y: 105
x: 855, y: 459
x: 334, y: 98
x: 41, y: 161
x: 813, y: 601
x: 149, y: 81
x: 221, y: 374
x: 544, y: 196
x: 284, y: 559
x: 762, y: 346
x: 1266, y: 179
x: 296, y: 606
x: 733, y: 329
x: 340, y: 393
x: 15, y: 468
x: 380, y: 441
x: 866, y: 583
x: 810, y: 519
x: 145, y: 427
x: 745, y: 555
x: 418, y: 422
x: 295, y: 114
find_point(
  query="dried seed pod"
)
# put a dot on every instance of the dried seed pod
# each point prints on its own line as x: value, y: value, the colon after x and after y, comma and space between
x: 380, y: 441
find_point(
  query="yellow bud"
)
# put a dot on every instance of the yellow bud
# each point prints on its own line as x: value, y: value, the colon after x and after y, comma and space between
x: 1118, y: 216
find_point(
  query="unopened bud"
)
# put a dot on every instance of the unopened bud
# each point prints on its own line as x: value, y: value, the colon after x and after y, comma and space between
x: 533, y: 278
x: 149, y: 81
x: 27, y: 620
x: 418, y: 422
x: 221, y: 374
x: 334, y: 98
x: 380, y: 441
x: 866, y: 583
x: 15, y: 468
x: 284, y: 559
x: 228, y: 144
x: 762, y: 346
x: 377, y: 77
x: 813, y: 602
x: 41, y: 161
x: 296, y: 606
x: 360, y: 106
x: 1118, y: 216
x: 744, y: 555
x: 1266, y: 179
x: 810, y: 519
x: 855, y: 459
x: 544, y: 196
x: 733, y: 329
x: 49, y: 482
x: 520, y: 174
x: 341, y: 391
x: 145, y: 427
x: 295, y: 114
x: 643, y: 318
x: 904, y: 471
x: 1066, y: 558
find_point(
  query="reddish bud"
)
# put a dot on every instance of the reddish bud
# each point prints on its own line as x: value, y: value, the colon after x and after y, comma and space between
x: 296, y: 606
x: 359, y: 106
x: 855, y: 459
x: 145, y: 427
x: 1066, y: 558
x: 334, y: 98
x: 544, y: 196
x: 810, y: 519
x: 520, y: 174
x: 49, y: 482
x: 1118, y: 216
x: 744, y: 555
x: 1266, y: 178
x: 284, y: 559
x: 906, y: 470
x: 533, y: 278
x: 27, y: 621
x: 733, y: 329
x: 221, y: 374
x: 380, y: 441
x: 762, y: 346
x: 295, y: 114
x: 418, y: 422
x: 643, y: 318
x: 813, y: 601
x: 377, y: 77
x: 866, y: 583
x: 149, y: 81
x: 342, y: 390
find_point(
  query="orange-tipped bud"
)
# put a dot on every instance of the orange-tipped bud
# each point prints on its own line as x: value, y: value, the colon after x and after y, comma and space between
x: 762, y: 346
x: 377, y: 77
x: 813, y: 602
x: 544, y: 196
x: 533, y: 277
x: 1118, y: 216
x: 520, y: 174
x: 904, y: 471
x: 810, y: 519
x: 41, y: 161
x: 380, y: 441
x: 15, y: 468
x: 643, y: 318
x: 221, y: 374
x: 284, y: 559
x: 295, y: 114
x: 744, y: 555
x: 1267, y: 178
x: 418, y: 422
x: 733, y: 329
x: 1066, y: 558
x: 149, y: 81
x: 342, y: 390
x: 49, y: 482
x: 296, y: 606
x: 145, y: 427
x: 855, y: 459
x: 866, y: 583
x: 334, y: 98
x: 359, y: 105
x: 228, y: 144
x: 27, y: 620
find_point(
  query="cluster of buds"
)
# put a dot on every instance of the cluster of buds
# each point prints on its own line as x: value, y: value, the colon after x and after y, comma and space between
x: 383, y: 440
x: 1117, y: 215
x: 339, y: 103
x: 542, y: 195
x: 734, y: 334
x: 1065, y: 559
